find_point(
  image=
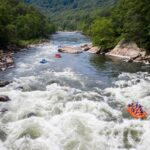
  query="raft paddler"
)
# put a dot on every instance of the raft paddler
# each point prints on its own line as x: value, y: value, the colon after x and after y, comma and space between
x: 136, y: 111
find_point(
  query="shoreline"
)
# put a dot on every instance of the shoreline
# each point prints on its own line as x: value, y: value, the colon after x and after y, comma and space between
x: 7, y: 55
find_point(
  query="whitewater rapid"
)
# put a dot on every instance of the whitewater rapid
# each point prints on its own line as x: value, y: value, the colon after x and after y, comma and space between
x: 72, y: 103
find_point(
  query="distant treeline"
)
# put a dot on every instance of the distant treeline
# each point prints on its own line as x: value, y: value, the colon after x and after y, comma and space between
x: 69, y: 14
x: 20, y: 23
x: 128, y: 19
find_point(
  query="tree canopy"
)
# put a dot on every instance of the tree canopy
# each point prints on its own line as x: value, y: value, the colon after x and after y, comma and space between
x: 129, y: 19
x: 68, y: 14
x: 21, y: 22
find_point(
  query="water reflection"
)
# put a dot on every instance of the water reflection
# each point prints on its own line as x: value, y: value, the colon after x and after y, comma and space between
x: 115, y: 66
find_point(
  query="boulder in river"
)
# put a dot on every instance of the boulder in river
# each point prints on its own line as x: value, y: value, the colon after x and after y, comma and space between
x: 94, y: 50
x: 71, y: 50
x: 3, y: 83
x: 4, y: 98
x: 86, y: 47
x: 31, y: 114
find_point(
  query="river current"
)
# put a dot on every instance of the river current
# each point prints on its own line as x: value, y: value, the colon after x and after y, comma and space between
x: 77, y: 102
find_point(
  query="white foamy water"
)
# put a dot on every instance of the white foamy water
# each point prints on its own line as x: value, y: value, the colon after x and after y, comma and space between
x: 71, y: 103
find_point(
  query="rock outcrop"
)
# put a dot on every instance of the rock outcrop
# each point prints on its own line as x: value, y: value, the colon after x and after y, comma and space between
x: 129, y: 51
x: 91, y: 49
x: 94, y: 50
x: 86, y: 47
x: 125, y: 49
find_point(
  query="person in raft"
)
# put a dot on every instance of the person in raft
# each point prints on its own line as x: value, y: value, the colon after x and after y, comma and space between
x: 137, y: 108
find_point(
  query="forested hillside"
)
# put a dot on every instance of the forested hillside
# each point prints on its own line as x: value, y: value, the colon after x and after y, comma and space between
x: 70, y: 14
x: 20, y: 23
x: 129, y: 20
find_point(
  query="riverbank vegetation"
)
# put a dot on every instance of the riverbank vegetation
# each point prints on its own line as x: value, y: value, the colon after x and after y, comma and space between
x: 20, y: 24
x: 128, y: 20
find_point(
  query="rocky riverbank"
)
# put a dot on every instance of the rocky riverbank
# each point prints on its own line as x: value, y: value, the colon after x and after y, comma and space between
x: 6, y: 60
x: 130, y: 52
x: 125, y: 50
x: 6, y: 56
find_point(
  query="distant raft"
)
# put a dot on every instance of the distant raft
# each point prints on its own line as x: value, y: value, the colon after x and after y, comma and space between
x: 136, y: 111
x: 43, y: 61
x: 57, y: 56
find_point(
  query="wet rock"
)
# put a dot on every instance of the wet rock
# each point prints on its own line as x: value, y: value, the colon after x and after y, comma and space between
x: 31, y: 114
x: 71, y: 50
x: 4, y: 83
x: 6, y: 60
x: 86, y: 47
x: 3, y: 110
x: 143, y: 53
x: 3, y: 135
x: 9, y: 61
x: 4, y: 98
x: 125, y: 49
x: 94, y: 50
x: 130, y: 52
x: 19, y: 88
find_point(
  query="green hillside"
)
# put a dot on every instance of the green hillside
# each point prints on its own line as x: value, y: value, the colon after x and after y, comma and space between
x: 68, y: 14
x: 128, y: 20
x: 60, y: 5
x: 20, y: 23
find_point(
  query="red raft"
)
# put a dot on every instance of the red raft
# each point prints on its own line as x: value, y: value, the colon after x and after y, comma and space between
x: 136, y: 111
x: 57, y: 56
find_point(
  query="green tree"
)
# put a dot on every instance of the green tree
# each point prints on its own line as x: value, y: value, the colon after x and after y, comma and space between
x: 102, y: 33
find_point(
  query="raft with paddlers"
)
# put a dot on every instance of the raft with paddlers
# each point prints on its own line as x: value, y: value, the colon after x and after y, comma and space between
x: 136, y: 111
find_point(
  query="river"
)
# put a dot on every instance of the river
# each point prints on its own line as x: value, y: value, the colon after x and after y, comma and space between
x: 77, y: 102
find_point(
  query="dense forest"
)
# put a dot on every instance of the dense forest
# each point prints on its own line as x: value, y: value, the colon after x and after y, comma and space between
x: 20, y: 23
x: 129, y: 20
x: 106, y: 21
x: 70, y: 14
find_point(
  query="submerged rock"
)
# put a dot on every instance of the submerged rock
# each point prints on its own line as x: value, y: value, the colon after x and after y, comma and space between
x: 71, y: 50
x: 4, y: 98
x: 3, y: 135
x: 30, y: 114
